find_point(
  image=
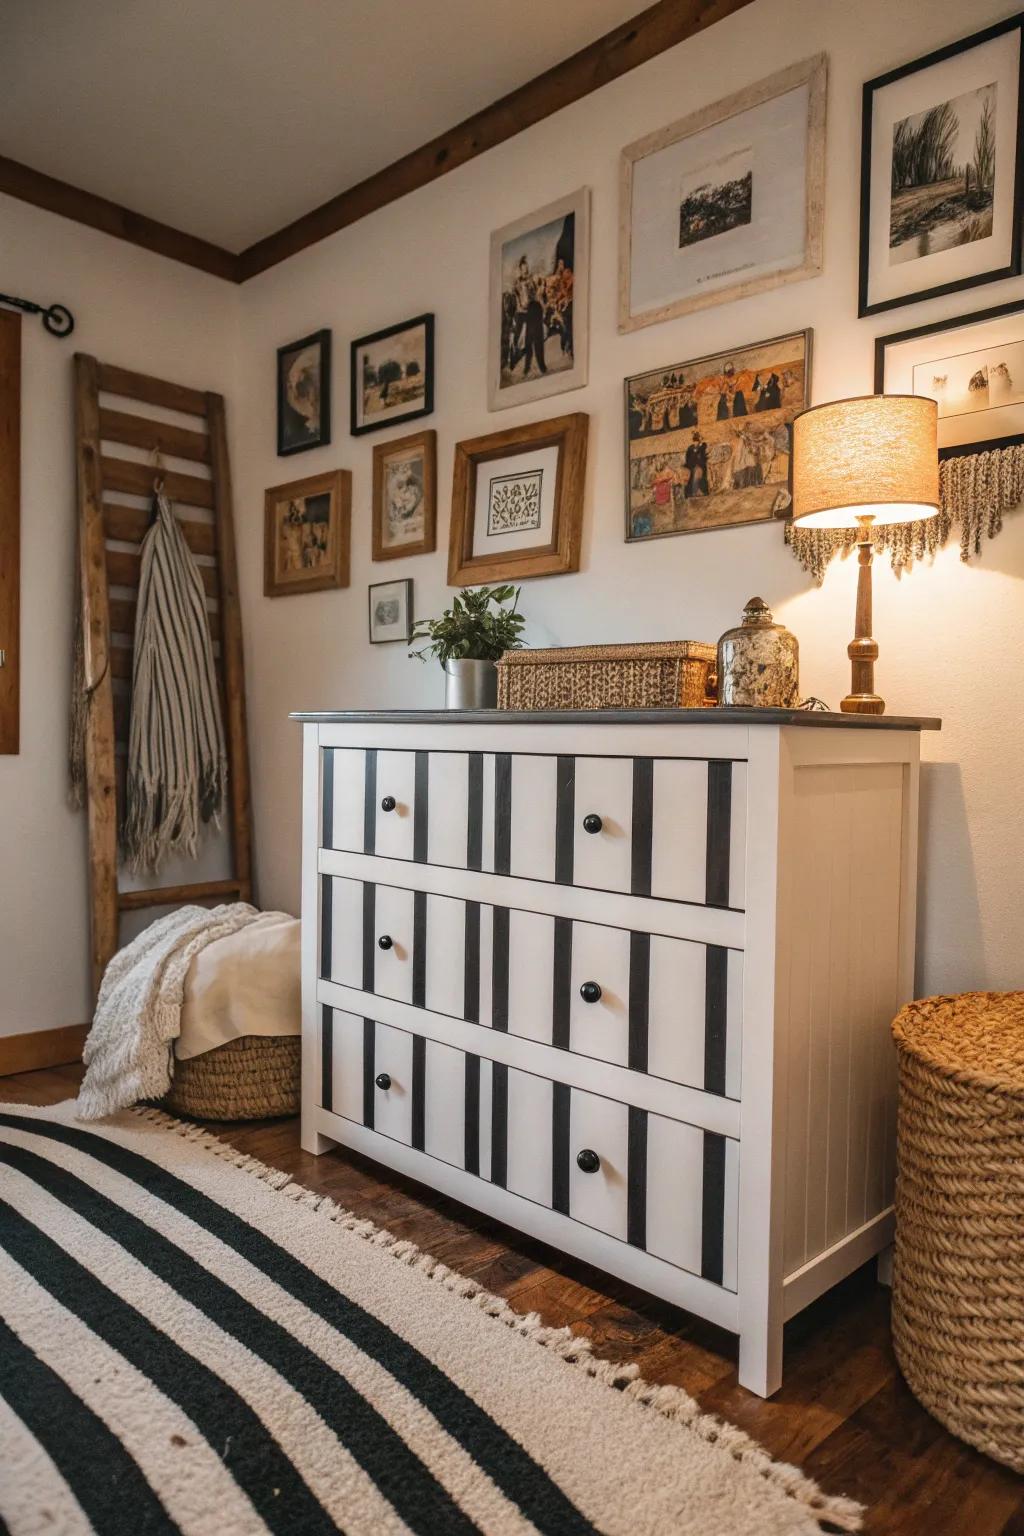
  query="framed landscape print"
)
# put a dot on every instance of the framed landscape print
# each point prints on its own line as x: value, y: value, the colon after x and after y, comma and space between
x: 727, y: 202
x: 708, y: 443
x: 390, y: 612
x: 393, y: 375
x: 973, y: 367
x: 941, y: 171
x: 306, y: 530
x: 517, y: 502
x: 539, y: 303
x: 405, y: 496
x: 304, y: 394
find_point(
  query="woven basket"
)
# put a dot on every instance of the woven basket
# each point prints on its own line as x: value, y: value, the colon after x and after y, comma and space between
x: 253, y: 1078
x: 958, y: 1279
x: 667, y: 674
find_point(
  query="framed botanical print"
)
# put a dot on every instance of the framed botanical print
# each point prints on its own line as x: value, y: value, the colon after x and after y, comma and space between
x: 306, y: 531
x: 539, y: 303
x: 393, y: 375
x: 517, y: 502
x: 973, y: 367
x: 708, y: 443
x: 727, y: 202
x: 405, y: 496
x: 941, y: 171
x: 304, y: 394
x: 390, y: 611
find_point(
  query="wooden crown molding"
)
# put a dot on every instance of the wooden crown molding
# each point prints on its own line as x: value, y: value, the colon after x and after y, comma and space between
x: 659, y: 27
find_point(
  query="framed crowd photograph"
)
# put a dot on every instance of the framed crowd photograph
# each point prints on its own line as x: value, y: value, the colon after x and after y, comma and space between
x: 306, y: 532
x: 941, y: 171
x: 390, y: 612
x: 517, y: 502
x: 405, y: 496
x: 708, y: 443
x: 973, y: 367
x: 727, y: 202
x: 393, y: 375
x: 539, y: 303
x: 304, y: 394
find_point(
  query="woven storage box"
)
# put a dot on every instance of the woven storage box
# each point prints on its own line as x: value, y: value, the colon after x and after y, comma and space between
x: 254, y: 1078
x: 667, y: 674
x: 958, y: 1277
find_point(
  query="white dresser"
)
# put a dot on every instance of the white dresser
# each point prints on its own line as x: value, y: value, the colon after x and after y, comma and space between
x: 622, y: 980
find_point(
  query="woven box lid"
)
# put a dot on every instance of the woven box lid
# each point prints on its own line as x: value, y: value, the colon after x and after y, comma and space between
x: 654, y: 650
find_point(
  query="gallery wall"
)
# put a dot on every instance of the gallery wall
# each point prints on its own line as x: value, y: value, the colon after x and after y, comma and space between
x: 950, y: 634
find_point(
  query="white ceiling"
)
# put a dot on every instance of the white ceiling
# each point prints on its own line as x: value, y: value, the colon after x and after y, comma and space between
x: 229, y: 118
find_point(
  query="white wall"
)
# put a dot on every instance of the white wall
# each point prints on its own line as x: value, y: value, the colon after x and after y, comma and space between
x: 950, y: 635
x: 145, y: 313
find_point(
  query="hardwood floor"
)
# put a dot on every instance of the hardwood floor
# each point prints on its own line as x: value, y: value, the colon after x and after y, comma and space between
x: 844, y: 1413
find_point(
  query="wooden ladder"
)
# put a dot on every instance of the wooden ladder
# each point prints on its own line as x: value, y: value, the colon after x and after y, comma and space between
x: 209, y: 531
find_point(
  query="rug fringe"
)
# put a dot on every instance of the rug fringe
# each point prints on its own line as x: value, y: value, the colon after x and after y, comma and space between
x: 833, y: 1513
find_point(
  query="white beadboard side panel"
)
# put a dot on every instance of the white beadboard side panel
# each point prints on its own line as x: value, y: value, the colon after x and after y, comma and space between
x: 599, y: 1199
x: 444, y: 1103
x: 349, y: 790
x: 679, y: 854
x: 843, y: 866
x: 448, y: 808
x: 529, y: 1137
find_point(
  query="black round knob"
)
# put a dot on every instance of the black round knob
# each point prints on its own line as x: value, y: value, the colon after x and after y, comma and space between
x: 383, y: 1080
x: 388, y: 803
x: 385, y: 941
x: 587, y: 1161
x: 590, y: 992
x: 592, y: 823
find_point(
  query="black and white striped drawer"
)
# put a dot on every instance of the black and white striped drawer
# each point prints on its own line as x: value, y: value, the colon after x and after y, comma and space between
x: 665, y: 1006
x: 674, y: 828
x: 657, y: 1184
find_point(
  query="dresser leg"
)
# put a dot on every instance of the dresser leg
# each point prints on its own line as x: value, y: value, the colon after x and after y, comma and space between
x: 315, y: 1141
x: 760, y: 1368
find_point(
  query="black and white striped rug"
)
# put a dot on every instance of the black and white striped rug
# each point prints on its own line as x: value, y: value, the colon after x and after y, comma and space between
x: 191, y: 1344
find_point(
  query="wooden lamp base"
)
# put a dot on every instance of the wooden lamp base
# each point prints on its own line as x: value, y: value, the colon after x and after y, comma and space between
x: 862, y: 649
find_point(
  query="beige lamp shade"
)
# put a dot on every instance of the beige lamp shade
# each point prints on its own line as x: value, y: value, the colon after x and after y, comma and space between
x: 876, y: 456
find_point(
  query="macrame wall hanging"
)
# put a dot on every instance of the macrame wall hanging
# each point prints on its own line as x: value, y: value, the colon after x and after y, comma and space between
x: 975, y: 491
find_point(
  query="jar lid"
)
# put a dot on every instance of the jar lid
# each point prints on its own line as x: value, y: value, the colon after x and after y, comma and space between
x: 757, y: 612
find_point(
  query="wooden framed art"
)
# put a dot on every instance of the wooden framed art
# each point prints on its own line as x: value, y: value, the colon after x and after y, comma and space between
x: 517, y: 502
x: 306, y: 533
x: 10, y: 531
x: 708, y: 442
x: 726, y: 202
x: 973, y: 367
x: 392, y: 375
x: 538, y: 320
x: 941, y: 171
x: 304, y: 394
x: 390, y: 615
x: 405, y: 496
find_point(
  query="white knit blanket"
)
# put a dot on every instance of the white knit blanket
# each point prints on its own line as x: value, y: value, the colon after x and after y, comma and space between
x: 138, y: 1014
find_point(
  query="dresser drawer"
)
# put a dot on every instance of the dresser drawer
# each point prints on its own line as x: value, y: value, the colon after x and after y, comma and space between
x: 665, y: 1006
x: 654, y: 1183
x: 667, y: 827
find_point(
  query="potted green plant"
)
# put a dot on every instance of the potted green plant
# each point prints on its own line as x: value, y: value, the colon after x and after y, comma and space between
x: 469, y: 637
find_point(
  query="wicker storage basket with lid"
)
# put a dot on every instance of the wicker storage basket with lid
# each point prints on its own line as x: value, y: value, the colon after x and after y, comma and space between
x: 665, y: 674
x: 958, y: 1278
x: 253, y: 1078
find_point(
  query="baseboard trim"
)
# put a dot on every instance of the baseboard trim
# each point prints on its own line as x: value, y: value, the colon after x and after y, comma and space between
x: 41, y: 1048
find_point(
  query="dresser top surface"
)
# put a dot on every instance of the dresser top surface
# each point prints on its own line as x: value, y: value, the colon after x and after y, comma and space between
x: 801, y: 717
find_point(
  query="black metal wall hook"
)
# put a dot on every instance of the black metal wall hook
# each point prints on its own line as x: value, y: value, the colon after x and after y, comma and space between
x: 57, y: 319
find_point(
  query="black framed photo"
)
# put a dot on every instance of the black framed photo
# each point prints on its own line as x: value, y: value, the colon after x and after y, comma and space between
x: 393, y: 375
x: 304, y: 394
x: 941, y: 171
x: 973, y: 367
x: 390, y: 611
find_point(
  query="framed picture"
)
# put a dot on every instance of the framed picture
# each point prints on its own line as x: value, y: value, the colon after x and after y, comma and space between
x: 306, y: 530
x: 708, y: 443
x: 304, y: 394
x: 973, y: 367
x: 405, y: 496
x: 393, y: 375
x: 727, y: 202
x: 390, y: 612
x: 539, y: 303
x: 517, y: 502
x: 941, y: 171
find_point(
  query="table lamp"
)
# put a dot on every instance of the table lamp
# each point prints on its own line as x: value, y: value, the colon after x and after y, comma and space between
x: 856, y: 464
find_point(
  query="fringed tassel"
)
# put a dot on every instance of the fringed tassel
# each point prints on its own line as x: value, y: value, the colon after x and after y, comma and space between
x: 975, y: 490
